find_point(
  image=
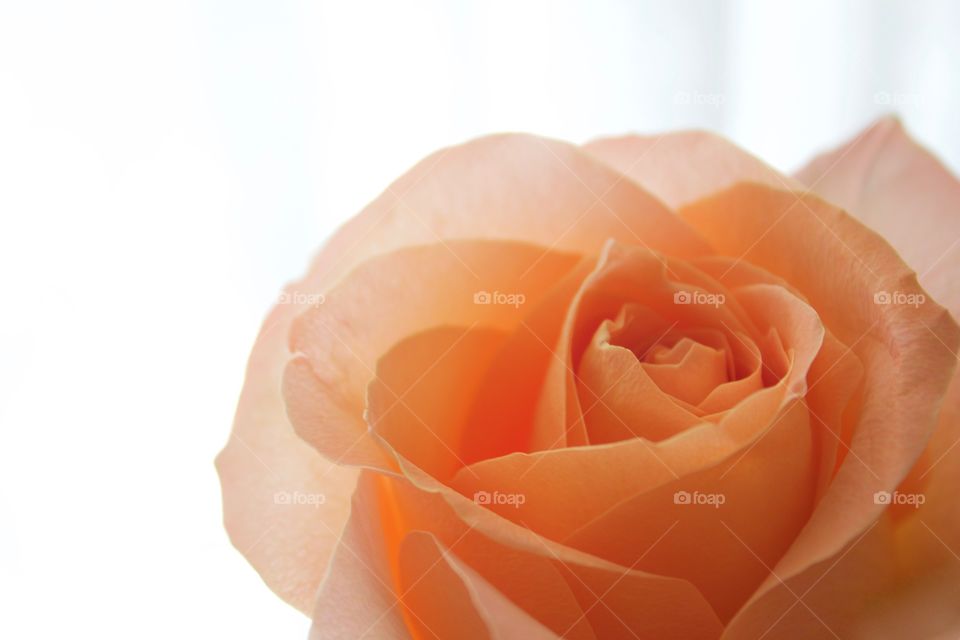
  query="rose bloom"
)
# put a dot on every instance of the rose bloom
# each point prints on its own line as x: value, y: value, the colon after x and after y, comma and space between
x: 644, y: 388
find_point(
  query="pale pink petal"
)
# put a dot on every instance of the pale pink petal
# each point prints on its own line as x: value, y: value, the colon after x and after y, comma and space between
x: 684, y: 166
x: 272, y: 480
x: 901, y: 191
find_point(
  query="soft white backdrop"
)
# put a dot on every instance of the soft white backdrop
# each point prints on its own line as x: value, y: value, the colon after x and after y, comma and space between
x: 165, y: 167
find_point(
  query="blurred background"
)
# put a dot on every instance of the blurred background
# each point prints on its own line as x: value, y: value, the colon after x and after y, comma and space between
x: 166, y: 167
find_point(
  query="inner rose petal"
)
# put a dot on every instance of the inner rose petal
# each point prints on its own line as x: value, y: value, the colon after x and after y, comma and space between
x: 657, y: 364
x: 688, y: 371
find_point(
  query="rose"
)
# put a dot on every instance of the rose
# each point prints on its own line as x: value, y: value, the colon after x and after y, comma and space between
x: 794, y: 401
x: 784, y: 402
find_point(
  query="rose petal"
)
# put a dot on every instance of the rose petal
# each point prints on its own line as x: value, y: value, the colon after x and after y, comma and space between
x: 512, y: 187
x: 439, y: 602
x: 685, y: 166
x: 403, y: 406
x: 900, y: 190
x: 619, y: 399
x: 705, y: 543
x: 895, y: 581
x: 358, y: 597
x: 517, y: 392
x: 700, y: 370
x: 265, y: 463
x: 573, y: 594
x: 449, y: 600
x: 829, y: 599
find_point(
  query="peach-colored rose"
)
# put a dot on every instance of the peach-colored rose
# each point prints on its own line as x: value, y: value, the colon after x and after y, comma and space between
x: 646, y: 388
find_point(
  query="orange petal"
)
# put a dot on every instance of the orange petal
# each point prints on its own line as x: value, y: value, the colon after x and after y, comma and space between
x: 685, y: 166
x: 689, y: 371
x: 505, y: 417
x: 438, y: 601
x: 898, y: 580
x: 449, y: 600
x: 902, y: 192
x: 619, y: 399
x: 422, y: 394
x: 573, y: 594
x: 749, y: 363
x: 702, y: 541
x: 836, y: 598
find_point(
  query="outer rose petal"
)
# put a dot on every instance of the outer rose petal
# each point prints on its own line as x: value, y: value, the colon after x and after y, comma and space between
x: 902, y: 192
x: 682, y: 167
x: 289, y: 544
x: 391, y: 556
x: 510, y: 187
x: 359, y: 593
x: 449, y: 600
x: 576, y: 595
x: 385, y: 300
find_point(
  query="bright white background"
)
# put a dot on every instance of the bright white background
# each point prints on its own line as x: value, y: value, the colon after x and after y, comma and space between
x: 165, y: 167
